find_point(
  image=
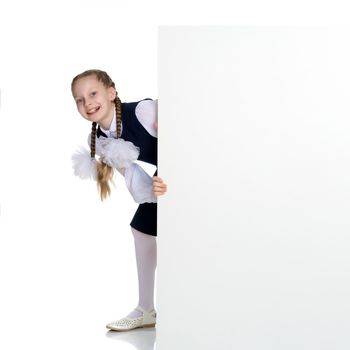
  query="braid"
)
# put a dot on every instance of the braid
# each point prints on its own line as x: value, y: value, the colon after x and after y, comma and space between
x: 93, y: 140
x: 118, y: 109
x: 104, y: 175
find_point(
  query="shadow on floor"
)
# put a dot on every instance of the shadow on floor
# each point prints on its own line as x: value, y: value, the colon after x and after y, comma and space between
x: 140, y: 338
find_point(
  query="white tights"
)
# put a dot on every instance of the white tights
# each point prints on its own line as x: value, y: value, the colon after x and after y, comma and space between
x: 146, y: 260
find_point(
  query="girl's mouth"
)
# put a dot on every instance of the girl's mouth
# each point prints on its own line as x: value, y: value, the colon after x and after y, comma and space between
x: 93, y: 111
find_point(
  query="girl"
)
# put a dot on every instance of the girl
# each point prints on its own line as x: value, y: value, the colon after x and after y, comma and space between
x: 125, y: 132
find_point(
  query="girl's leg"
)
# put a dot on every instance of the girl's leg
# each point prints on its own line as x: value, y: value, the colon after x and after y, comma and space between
x: 146, y: 260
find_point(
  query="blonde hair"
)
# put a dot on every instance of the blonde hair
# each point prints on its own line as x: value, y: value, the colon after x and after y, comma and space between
x: 104, y: 171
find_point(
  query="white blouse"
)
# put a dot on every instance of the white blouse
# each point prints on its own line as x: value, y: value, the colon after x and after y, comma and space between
x: 138, y: 182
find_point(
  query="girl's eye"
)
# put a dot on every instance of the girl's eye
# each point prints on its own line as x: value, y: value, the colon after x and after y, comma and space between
x: 93, y: 93
x: 78, y: 101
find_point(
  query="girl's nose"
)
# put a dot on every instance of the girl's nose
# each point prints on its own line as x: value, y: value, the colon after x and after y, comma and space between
x: 87, y: 101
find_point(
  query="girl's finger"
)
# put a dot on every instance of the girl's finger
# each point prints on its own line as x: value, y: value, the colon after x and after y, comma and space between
x: 159, y: 193
x: 160, y: 186
x: 157, y: 178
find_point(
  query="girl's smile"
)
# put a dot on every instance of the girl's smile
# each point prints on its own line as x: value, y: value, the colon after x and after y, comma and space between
x: 94, y: 101
x: 92, y: 113
x: 93, y: 110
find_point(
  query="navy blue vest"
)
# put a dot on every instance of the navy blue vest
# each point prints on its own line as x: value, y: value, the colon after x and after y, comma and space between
x: 134, y: 132
x: 145, y: 218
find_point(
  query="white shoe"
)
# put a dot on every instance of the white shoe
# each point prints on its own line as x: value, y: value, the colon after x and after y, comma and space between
x: 148, y: 319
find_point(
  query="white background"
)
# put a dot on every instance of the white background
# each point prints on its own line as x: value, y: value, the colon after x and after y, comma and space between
x: 67, y: 264
x: 67, y: 260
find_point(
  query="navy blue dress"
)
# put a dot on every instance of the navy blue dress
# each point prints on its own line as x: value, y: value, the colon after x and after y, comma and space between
x: 145, y: 218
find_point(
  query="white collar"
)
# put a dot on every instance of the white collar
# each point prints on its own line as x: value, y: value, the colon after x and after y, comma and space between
x: 112, y: 127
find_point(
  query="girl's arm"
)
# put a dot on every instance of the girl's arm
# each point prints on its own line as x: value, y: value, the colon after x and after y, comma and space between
x: 147, y: 114
x: 140, y: 179
x: 139, y: 184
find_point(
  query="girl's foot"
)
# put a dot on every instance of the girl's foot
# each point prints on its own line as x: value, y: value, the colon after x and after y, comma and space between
x: 146, y: 319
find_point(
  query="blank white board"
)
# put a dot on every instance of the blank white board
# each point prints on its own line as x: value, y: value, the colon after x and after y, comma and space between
x: 254, y: 231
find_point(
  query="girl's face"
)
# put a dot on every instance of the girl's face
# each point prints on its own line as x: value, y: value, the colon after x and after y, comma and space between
x: 94, y: 101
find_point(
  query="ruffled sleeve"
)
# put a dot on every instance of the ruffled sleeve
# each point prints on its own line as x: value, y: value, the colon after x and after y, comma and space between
x: 139, y: 184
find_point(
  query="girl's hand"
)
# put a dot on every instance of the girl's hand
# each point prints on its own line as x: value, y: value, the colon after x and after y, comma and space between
x: 159, y: 187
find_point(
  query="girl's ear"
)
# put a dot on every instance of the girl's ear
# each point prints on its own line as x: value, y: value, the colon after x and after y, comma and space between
x: 112, y: 93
